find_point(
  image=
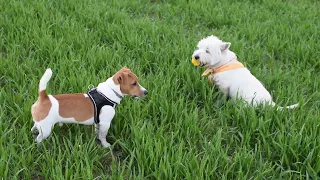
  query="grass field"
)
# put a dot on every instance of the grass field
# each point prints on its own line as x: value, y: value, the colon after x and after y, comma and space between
x: 184, y: 129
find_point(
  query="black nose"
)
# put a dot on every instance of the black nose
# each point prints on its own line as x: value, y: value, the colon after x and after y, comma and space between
x: 196, y: 57
x: 145, y: 92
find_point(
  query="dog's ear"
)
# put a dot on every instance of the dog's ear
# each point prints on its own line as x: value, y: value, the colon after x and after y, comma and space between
x: 119, y: 77
x: 225, y: 45
x: 124, y: 68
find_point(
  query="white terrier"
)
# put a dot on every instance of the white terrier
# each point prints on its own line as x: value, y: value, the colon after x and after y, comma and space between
x: 232, y: 78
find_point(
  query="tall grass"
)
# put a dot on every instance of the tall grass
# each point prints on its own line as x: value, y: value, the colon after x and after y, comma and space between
x: 184, y: 129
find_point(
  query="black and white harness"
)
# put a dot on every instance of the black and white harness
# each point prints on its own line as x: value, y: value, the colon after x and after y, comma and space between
x: 99, y: 100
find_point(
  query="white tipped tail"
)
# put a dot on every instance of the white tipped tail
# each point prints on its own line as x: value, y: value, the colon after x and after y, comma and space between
x: 288, y: 107
x: 45, y: 79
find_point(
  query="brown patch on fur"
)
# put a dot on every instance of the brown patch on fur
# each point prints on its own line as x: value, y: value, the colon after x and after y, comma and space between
x: 128, y: 82
x: 41, y: 108
x: 75, y: 106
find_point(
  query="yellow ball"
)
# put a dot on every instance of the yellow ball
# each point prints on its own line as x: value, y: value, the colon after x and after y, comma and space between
x: 195, y: 62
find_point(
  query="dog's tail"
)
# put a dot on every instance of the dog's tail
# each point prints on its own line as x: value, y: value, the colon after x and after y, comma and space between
x: 43, y: 84
x: 279, y: 108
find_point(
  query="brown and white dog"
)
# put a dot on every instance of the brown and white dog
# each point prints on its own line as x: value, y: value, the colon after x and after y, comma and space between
x: 78, y: 108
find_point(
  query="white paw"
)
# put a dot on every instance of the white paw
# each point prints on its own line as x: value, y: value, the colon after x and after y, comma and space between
x: 105, y: 144
x: 39, y: 139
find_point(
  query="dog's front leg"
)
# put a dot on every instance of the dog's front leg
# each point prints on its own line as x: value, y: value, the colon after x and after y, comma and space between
x: 228, y: 94
x: 106, y: 116
x: 102, y: 134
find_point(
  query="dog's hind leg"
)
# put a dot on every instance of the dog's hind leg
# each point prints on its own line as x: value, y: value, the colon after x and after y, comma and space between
x: 34, y: 130
x: 44, y: 132
x: 34, y: 127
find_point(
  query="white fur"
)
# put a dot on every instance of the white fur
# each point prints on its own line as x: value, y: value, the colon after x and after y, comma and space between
x: 107, y: 113
x: 238, y: 83
x: 45, y: 79
x: 45, y: 126
x: 107, y: 87
x: 142, y: 88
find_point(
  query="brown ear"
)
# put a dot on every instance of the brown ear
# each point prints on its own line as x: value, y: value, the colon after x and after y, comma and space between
x: 119, y: 77
x: 124, y: 68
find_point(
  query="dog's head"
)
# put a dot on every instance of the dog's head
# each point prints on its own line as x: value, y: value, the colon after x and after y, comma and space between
x: 129, y: 84
x: 209, y: 51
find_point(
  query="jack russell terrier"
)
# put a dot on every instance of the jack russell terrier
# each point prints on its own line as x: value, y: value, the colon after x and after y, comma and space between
x: 232, y: 78
x: 96, y: 106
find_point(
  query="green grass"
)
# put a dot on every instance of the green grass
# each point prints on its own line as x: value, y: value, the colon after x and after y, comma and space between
x: 184, y: 129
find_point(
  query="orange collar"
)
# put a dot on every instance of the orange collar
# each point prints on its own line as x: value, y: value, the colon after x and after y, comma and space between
x: 223, y: 68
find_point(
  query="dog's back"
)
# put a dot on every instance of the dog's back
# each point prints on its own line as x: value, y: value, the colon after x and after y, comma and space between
x: 241, y: 83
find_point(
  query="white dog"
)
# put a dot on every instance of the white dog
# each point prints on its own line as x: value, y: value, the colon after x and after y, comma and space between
x: 232, y: 78
x: 96, y: 106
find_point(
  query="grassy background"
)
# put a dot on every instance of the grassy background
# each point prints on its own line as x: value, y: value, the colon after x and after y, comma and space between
x: 184, y: 129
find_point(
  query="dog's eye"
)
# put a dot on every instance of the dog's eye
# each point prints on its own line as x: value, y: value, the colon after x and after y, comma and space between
x: 134, y: 84
x: 207, y: 51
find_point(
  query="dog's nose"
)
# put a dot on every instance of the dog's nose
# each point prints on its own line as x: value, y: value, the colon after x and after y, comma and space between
x: 145, y: 92
x: 196, y: 57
